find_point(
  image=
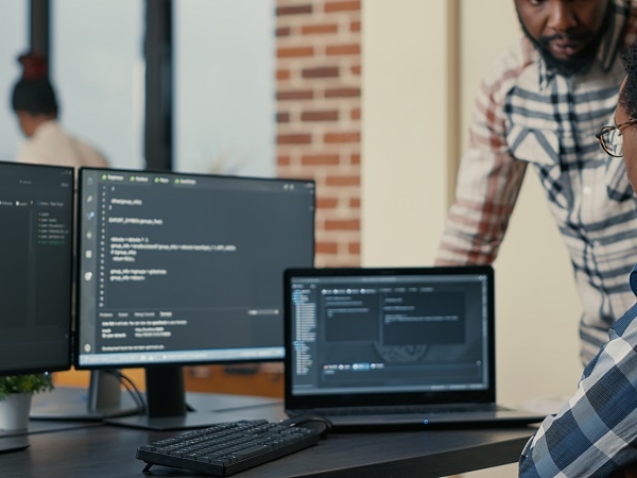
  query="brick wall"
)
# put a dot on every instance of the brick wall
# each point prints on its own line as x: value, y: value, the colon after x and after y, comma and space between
x: 318, y: 116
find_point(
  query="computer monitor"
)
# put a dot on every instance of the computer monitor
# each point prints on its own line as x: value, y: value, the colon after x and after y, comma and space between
x: 185, y: 269
x: 36, y: 253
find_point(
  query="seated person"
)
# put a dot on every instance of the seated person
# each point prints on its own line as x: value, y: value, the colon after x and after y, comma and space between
x: 35, y: 104
x: 595, y: 433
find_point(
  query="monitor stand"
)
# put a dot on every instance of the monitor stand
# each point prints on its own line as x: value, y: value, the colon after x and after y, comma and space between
x: 103, y: 400
x: 13, y: 443
x: 167, y: 409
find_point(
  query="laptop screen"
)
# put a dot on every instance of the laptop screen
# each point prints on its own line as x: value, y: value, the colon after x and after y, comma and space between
x: 389, y: 331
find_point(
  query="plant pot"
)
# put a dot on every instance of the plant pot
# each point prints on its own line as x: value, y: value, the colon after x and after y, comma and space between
x: 14, y: 411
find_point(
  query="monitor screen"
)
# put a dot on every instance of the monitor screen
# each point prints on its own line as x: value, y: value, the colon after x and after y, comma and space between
x: 36, y: 253
x: 178, y: 269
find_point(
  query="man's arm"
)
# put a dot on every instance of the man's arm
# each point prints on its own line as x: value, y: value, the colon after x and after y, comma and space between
x: 489, y: 181
x: 595, y: 433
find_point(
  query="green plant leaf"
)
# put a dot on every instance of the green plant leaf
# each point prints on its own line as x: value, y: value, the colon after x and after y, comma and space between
x: 32, y: 383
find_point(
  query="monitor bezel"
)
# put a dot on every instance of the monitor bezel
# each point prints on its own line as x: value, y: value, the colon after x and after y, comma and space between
x: 177, y: 363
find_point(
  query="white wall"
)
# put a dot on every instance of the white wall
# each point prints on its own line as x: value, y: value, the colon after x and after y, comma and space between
x: 404, y: 186
x: 404, y: 130
x: 224, y: 82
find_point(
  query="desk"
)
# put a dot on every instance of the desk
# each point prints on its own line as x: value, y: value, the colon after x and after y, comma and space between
x: 109, y: 451
x: 72, y: 403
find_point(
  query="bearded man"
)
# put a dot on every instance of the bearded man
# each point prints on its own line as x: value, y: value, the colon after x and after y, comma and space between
x: 540, y: 105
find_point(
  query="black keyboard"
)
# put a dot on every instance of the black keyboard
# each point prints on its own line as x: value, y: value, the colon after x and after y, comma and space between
x: 228, y: 448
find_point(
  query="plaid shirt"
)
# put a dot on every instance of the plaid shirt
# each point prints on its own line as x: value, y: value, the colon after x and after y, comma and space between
x: 595, y: 434
x: 526, y: 114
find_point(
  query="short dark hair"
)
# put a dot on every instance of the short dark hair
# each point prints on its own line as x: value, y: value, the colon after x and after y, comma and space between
x: 33, y: 92
x: 628, y: 95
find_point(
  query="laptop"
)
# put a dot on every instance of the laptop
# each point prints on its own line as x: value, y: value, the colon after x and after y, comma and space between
x: 393, y: 347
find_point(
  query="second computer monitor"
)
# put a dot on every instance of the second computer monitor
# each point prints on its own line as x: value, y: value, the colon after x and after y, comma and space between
x: 36, y: 253
x: 186, y: 269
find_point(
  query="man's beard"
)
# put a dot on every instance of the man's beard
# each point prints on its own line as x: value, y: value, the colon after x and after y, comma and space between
x: 582, y: 62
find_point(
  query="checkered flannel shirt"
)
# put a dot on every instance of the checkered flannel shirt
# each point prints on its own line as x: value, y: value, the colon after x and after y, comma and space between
x: 595, y: 433
x: 526, y: 114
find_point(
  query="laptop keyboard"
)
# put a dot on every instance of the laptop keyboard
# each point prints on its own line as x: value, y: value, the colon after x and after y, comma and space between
x: 403, y: 409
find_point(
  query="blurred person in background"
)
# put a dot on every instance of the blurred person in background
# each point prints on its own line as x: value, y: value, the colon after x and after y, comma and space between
x: 35, y: 104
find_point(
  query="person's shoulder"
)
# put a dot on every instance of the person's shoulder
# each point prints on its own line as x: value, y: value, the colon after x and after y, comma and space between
x: 90, y: 156
x: 517, y: 56
x: 505, y: 70
x: 84, y: 153
x: 28, y: 153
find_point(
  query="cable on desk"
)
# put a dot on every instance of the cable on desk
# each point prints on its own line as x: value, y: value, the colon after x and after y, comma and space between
x: 131, y: 388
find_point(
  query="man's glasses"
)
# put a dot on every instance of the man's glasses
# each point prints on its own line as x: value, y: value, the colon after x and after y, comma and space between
x: 610, y: 137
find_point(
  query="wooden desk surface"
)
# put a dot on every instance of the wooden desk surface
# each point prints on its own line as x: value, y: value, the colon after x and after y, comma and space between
x: 109, y: 451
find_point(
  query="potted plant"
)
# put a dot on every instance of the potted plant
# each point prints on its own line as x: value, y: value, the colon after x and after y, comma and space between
x: 16, y: 392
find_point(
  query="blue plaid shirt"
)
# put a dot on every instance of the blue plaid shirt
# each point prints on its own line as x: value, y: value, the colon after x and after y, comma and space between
x: 595, y: 433
x: 527, y: 117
